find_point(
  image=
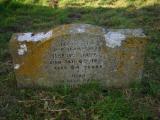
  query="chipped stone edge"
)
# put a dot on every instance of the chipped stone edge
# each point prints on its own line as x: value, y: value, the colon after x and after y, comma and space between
x: 31, y: 37
x: 114, y: 37
x: 130, y: 32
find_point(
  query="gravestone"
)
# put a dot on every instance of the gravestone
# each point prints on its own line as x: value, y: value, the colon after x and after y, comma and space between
x: 77, y: 54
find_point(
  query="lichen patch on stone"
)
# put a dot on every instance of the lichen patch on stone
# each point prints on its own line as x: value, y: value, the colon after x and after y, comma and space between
x: 81, y: 29
x: 16, y: 66
x: 114, y: 39
x: 22, y: 50
x: 34, y: 37
x: 130, y: 32
x: 78, y: 29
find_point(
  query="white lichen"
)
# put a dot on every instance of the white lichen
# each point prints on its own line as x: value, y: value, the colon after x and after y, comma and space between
x: 81, y: 29
x: 22, y: 50
x: 114, y: 39
x: 16, y: 66
x: 34, y: 37
x: 78, y: 29
x: 130, y: 32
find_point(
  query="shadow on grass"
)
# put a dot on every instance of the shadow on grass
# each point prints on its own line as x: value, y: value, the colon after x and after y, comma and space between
x: 17, y: 17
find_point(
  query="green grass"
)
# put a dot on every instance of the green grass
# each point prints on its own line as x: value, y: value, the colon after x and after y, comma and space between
x: 90, y: 102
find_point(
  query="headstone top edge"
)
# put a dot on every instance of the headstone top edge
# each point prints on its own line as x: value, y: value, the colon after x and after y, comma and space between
x: 58, y: 31
x: 75, y: 29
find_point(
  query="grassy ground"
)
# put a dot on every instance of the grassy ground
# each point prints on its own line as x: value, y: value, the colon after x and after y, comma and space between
x: 90, y: 102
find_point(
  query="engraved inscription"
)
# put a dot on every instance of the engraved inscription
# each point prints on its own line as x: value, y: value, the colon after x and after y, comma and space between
x: 75, y: 59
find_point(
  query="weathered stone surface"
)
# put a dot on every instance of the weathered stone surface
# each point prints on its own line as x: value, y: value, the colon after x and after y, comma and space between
x: 78, y: 53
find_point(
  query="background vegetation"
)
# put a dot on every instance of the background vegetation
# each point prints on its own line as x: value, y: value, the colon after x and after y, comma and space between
x: 91, y: 102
